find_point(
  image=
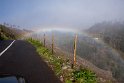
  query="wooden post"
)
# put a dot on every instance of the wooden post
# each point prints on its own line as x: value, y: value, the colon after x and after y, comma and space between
x: 75, y: 48
x: 44, y: 40
x: 52, y: 43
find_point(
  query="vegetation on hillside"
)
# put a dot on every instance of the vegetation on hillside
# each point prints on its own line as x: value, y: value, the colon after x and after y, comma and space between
x: 11, y: 33
x: 111, y: 33
x: 6, y: 33
x: 62, y: 66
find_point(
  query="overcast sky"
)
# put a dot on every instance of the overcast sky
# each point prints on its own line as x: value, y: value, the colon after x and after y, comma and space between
x: 60, y: 13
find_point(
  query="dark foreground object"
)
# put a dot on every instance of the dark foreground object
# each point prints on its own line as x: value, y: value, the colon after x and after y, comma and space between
x: 22, y: 59
x: 11, y: 79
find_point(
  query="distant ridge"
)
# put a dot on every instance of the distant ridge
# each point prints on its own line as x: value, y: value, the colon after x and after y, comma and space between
x: 111, y: 33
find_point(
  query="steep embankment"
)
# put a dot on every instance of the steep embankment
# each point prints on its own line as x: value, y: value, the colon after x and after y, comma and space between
x: 11, y: 33
x: 112, y: 34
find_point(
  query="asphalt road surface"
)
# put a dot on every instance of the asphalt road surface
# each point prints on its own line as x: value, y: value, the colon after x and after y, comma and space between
x: 22, y: 59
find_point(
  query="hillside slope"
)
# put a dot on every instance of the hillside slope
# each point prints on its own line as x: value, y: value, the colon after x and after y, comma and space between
x: 11, y: 33
x: 110, y: 33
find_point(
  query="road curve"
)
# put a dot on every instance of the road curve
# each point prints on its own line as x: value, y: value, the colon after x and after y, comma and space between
x: 22, y: 59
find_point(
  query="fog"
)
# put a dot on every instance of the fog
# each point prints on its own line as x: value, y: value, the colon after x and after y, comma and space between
x: 61, y: 13
x: 89, y: 48
x: 101, y: 45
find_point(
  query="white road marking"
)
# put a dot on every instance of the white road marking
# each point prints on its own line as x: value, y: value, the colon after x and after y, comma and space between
x: 7, y: 48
